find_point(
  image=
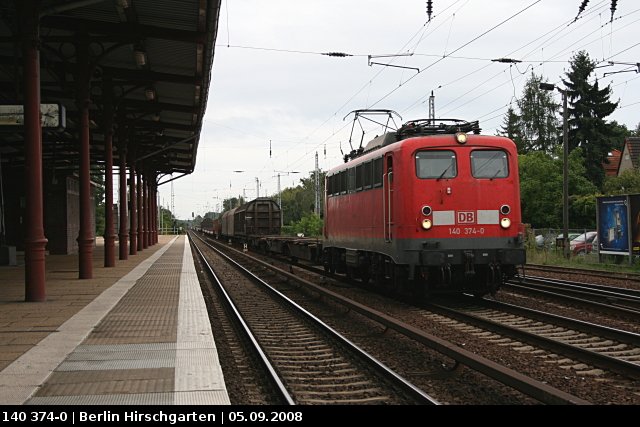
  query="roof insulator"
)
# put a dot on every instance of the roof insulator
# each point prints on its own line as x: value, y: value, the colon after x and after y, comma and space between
x: 339, y: 54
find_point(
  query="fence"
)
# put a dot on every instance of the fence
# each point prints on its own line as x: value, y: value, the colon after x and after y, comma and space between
x: 544, y: 245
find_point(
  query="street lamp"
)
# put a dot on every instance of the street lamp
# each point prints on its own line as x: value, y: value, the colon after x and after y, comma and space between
x: 565, y: 167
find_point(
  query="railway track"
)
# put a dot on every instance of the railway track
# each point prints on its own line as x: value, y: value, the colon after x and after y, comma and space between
x: 593, y: 345
x: 537, y: 390
x: 308, y: 362
x: 621, y: 300
x: 631, y: 277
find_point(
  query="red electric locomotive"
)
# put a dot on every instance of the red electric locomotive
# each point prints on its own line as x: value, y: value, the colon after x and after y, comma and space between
x: 431, y: 207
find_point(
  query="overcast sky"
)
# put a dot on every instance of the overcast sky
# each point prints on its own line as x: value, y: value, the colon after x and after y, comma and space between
x: 271, y: 86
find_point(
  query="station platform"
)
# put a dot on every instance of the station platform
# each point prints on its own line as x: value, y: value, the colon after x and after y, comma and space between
x: 137, y: 333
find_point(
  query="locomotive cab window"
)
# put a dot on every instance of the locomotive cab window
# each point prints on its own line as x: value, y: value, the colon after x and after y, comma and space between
x: 489, y: 164
x: 438, y: 164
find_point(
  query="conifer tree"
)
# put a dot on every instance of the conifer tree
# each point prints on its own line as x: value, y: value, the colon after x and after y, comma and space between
x: 535, y: 127
x: 588, y: 107
x: 511, y: 129
x: 538, y: 121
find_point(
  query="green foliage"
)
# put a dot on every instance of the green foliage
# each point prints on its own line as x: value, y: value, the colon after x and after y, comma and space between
x: 619, y: 132
x: 579, y: 183
x: 540, y: 190
x: 234, y: 202
x: 538, y: 124
x: 589, y: 105
x: 511, y: 129
x: 535, y: 127
x: 100, y: 218
x: 166, y: 223
x: 582, y: 211
x: 299, y: 201
x: 541, y: 181
x: 97, y: 177
x: 627, y: 183
x: 310, y: 225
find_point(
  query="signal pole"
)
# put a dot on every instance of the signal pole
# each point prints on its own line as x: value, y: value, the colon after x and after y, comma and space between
x: 317, y: 184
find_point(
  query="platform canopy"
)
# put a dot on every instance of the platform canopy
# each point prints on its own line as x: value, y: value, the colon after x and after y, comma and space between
x: 150, y: 70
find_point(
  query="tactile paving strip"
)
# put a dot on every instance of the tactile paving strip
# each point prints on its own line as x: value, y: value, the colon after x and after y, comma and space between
x: 155, y: 347
x: 107, y: 399
x: 137, y: 336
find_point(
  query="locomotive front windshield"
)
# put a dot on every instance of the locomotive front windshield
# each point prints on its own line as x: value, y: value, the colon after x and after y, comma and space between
x: 436, y: 164
x: 489, y: 164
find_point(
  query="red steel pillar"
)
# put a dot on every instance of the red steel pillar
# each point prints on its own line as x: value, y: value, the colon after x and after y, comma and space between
x: 140, y: 210
x: 145, y: 213
x: 109, y: 233
x: 154, y: 215
x: 123, y: 235
x: 85, y: 236
x: 35, y: 241
x: 133, y: 230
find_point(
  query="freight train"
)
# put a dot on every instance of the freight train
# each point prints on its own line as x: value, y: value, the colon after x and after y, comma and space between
x: 429, y: 208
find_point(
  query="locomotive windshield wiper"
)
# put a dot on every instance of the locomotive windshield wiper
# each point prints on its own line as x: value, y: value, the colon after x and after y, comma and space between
x: 495, y: 174
x: 444, y: 171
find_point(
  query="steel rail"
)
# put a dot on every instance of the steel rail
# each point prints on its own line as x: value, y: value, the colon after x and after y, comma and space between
x: 611, y: 302
x: 527, y: 385
x: 381, y: 367
x: 284, y: 393
x: 597, y: 359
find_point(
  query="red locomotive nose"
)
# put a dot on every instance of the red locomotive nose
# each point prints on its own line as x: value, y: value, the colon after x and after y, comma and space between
x: 431, y: 203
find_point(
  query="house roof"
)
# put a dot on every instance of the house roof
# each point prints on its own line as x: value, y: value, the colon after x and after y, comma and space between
x: 633, y: 145
x: 611, y: 168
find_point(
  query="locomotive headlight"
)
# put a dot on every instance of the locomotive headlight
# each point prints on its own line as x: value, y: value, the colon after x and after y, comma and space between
x: 426, y: 224
x: 461, y: 138
x: 505, y: 223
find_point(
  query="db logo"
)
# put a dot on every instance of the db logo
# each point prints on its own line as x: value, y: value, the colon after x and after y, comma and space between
x: 466, y: 217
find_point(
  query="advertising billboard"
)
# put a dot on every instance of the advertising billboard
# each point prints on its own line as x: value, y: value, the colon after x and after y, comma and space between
x: 619, y: 224
x: 634, y: 220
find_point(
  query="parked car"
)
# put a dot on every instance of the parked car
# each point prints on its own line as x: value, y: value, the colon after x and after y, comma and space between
x: 583, y: 244
x: 550, y: 240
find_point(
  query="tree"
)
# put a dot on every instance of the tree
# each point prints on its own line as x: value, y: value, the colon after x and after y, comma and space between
x: 299, y: 201
x: 511, y: 129
x: 310, y: 225
x: 97, y: 177
x: 539, y: 126
x: 619, y: 133
x: 589, y: 105
x: 166, y: 220
x: 627, y: 183
x: 582, y: 193
x: 541, y: 190
x: 233, y: 202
